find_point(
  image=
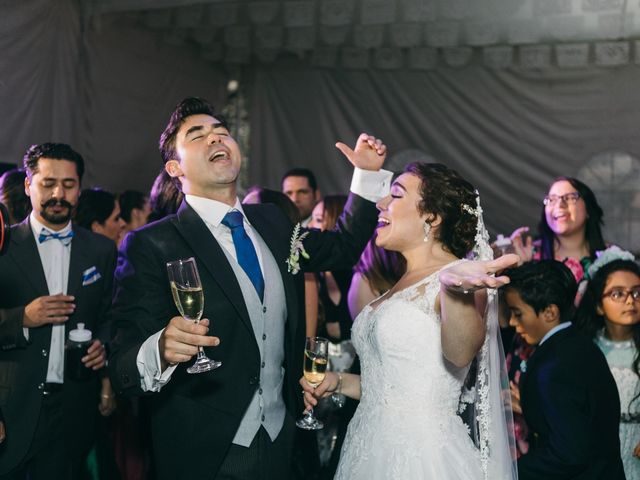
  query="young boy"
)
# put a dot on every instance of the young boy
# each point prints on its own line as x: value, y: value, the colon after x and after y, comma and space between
x: 567, y: 394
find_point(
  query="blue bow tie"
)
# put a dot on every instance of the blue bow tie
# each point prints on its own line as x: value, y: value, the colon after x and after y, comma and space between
x: 47, y: 235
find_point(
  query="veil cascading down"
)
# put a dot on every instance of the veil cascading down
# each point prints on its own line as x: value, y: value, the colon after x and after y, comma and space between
x: 486, y: 403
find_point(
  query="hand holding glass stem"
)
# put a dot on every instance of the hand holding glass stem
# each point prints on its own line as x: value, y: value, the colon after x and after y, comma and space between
x: 315, y: 367
x: 188, y: 296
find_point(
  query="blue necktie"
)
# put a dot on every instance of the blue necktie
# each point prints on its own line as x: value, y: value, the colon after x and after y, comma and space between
x: 245, y: 251
x: 47, y: 235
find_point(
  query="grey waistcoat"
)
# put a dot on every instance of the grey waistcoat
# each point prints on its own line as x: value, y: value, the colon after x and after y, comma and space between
x: 268, y: 321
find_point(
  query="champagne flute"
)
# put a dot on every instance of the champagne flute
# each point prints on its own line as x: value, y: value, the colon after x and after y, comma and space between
x: 315, y: 367
x: 189, y: 299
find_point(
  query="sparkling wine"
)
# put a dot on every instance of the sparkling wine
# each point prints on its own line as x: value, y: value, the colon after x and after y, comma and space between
x: 190, y: 301
x: 315, y: 367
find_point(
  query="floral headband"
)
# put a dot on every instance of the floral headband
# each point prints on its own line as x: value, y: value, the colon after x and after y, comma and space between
x: 607, y: 256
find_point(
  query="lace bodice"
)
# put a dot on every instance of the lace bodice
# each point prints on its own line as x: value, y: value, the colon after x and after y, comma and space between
x: 406, y: 425
x: 400, y: 350
x: 620, y: 356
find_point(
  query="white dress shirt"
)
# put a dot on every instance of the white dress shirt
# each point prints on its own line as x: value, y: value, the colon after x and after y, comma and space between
x: 368, y: 184
x: 55, y: 257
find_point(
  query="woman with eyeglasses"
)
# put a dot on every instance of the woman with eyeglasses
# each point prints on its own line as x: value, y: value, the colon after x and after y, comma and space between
x: 569, y: 231
x: 570, y: 228
x: 610, y: 314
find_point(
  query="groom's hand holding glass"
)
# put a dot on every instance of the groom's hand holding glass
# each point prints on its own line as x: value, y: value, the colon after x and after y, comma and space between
x: 181, y: 338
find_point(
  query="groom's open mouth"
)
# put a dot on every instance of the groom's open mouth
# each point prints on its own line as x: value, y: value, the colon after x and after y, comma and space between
x: 221, y: 154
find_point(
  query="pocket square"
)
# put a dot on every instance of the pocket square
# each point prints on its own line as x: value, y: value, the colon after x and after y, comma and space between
x: 90, y: 275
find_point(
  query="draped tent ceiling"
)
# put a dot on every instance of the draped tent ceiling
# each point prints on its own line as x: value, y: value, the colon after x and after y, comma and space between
x: 389, y: 34
x: 510, y: 92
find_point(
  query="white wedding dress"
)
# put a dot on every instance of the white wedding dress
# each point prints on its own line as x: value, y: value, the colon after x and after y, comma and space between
x: 406, y: 425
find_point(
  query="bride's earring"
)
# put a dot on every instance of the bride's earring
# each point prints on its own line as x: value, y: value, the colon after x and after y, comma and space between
x: 427, y: 231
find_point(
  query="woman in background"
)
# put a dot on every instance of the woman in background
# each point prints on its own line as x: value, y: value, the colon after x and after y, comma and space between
x: 13, y: 195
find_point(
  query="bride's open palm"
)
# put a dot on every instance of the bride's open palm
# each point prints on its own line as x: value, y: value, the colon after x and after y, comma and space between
x: 470, y: 276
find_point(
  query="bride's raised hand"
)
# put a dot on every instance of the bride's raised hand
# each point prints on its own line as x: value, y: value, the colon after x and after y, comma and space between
x: 368, y: 154
x: 469, y: 276
x: 311, y: 395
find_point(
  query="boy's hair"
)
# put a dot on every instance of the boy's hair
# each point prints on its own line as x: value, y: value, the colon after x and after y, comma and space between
x: 543, y: 283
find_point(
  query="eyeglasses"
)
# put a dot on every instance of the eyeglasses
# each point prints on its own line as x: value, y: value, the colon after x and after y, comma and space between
x: 568, y: 198
x: 620, y: 296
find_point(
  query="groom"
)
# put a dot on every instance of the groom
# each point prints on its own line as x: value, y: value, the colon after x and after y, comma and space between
x: 236, y: 421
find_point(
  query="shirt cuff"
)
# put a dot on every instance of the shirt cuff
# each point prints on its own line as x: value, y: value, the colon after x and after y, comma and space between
x: 152, y: 378
x: 25, y: 332
x: 371, y: 185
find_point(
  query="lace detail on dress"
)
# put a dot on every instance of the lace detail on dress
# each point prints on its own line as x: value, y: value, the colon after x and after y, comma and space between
x: 406, y: 425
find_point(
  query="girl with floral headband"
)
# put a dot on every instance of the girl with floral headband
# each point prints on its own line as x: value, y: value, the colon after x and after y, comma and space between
x: 610, y: 314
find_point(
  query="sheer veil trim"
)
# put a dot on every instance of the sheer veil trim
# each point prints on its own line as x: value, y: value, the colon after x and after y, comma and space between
x: 489, y: 413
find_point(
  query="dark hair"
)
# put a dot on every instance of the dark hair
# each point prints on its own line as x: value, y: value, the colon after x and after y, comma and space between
x: 186, y: 108
x: 94, y: 205
x: 56, y: 151
x: 302, y: 172
x: 165, y: 197
x: 590, y: 321
x: 443, y: 193
x: 382, y: 268
x: 333, y: 207
x: 542, y: 283
x: 129, y: 200
x: 266, y: 195
x: 593, y: 227
x: 13, y: 195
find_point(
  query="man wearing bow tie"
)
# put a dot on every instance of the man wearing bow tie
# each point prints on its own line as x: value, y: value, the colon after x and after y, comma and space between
x: 54, y: 276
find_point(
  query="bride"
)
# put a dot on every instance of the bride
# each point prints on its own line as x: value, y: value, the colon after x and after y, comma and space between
x: 433, y: 396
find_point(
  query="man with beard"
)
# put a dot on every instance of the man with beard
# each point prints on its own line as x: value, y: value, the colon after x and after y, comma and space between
x: 54, y: 277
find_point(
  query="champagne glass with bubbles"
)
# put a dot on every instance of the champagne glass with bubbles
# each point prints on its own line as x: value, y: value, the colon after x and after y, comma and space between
x: 189, y: 299
x: 315, y: 368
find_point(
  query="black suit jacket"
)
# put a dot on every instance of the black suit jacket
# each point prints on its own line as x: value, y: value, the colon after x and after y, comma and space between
x: 570, y: 403
x: 23, y: 364
x: 195, y: 417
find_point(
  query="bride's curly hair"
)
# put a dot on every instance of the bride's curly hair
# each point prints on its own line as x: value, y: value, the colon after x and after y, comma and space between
x: 443, y: 193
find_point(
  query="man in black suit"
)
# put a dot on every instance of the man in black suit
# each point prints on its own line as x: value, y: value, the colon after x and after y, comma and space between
x: 54, y: 276
x: 567, y: 393
x: 235, y: 421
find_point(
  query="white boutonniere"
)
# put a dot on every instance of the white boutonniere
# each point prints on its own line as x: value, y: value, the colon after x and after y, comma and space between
x: 297, y: 249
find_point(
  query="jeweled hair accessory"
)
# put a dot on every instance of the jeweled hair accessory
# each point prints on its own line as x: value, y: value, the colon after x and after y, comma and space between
x: 608, y: 255
x: 481, y: 249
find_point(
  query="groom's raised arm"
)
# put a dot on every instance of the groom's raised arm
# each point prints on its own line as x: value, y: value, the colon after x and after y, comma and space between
x: 341, y: 247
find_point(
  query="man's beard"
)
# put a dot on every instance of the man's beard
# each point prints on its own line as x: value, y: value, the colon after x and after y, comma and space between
x: 56, y: 218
